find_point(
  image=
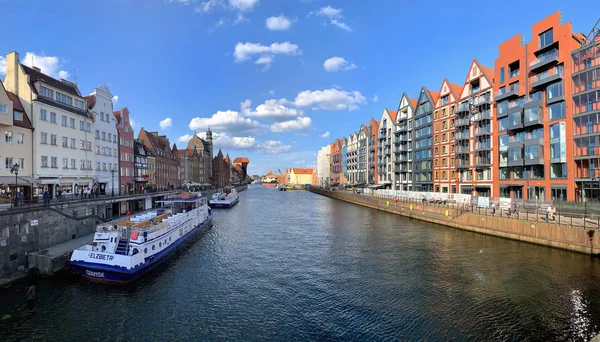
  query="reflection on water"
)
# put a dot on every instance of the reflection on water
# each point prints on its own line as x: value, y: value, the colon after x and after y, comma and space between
x: 297, y: 266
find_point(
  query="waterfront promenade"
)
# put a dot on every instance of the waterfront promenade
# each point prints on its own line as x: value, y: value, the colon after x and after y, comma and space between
x: 573, y: 232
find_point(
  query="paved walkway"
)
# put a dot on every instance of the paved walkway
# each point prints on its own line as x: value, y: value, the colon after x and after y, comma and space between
x: 67, y: 246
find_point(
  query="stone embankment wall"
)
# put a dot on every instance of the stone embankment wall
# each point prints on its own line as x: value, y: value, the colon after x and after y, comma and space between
x: 573, y: 238
x: 33, y: 230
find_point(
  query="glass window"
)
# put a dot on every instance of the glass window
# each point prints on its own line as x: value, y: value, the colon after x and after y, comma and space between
x: 62, y: 98
x: 46, y: 92
x: 8, y: 137
x: 79, y: 104
x: 18, y: 116
x: 20, y: 139
x: 554, y: 90
x: 532, y: 114
x: 43, y: 115
x: 72, y: 123
x: 44, y: 161
x: 52, y: 117
x: 64, y: 120
x: 502, y: 75
x: 546, y: 39
x: 515, y: 154
x: 556, y: 111
x: 518, y: 172
x: 532, y: 152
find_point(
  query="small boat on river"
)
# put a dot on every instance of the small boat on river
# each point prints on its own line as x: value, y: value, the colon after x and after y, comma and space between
x: 125, y: 250
x: 226, y: 198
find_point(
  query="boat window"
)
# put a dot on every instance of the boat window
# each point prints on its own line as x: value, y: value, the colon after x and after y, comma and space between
x: 159, y: 244
x: 146, y: 250
x: 165, y: 241
x: 169, y: 239
x: 153, y: 247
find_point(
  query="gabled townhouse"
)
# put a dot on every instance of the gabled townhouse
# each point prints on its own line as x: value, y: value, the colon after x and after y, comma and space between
x: 585, y: 92
x: 100, y: 106
x: 63, y: 140
x: 535, y: 116
x: 362, y: 155
x: 300, y: 176
x: 141, y: 174
x: 189, y: 164
x: 386, y: 157
x: 205, y: 154
x: 344, y: 165
x: 336, y: 161
x: 403, y: 150
x: 372, y: 147
x: 221, y: 171
x: 166, y: 165
x: 16, y: 150
x: 151, y: 158
x: 423, y: 141
x: 126, y: 152
x: 476, y: 151
x: 444, y: 175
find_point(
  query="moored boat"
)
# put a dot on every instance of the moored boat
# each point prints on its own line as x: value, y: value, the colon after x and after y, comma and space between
x: 281, y: 187
x: 226, y: 198
x: 123, y: 251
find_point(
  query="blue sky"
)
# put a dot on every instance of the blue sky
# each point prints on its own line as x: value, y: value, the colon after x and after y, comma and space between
x: 264, y: 84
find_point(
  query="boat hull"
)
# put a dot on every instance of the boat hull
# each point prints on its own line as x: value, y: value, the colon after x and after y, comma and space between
x: 269, y: 185
x: 223, y: 204
x: 115, y: 274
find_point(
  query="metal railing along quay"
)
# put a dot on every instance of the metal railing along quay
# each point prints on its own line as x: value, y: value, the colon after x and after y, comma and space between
x: 534, y: 211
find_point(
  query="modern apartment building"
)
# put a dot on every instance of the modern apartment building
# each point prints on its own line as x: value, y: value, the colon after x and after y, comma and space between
x: 352, y: 158
x: 403, y: 144
x: 344, y: 152
x: 384, y: 152
x: 476, y: 162
x: 15, y: 146
x: 106, y: 146
x: 423, y: 141
x: 372, y: 147
x: 323, y: 168
x: 535, y: 112
x: 585, y: 92
x: 62, y: 142
x: 126, y: 152
x: 362, y: 155
x: 444, y: 139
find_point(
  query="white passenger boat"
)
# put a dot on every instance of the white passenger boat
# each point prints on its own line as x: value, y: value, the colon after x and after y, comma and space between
x: 226, y: 198
x: 124, y: 251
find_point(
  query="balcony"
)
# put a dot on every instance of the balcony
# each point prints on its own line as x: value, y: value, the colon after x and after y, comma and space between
x: 481, y: 100
x: 533, y: 116
x: 534, y: 102
x: 515, y: 121
x: 485, y: 130
x: 401, y: 128
x: 547, y: 58
x: 401, y: 148
x: 462, y: 164
x: 463, y: 122
x: 400, y: 168
x: 483, y: 146
x: 462, y: 149
x: 402, y: 158
x: 464, y: 135
x: 463, y: 108
x: 485, y: 115
x: 502, y: 94
x: 401, y: 138
x: 482, y: 162
x: 534, y: 154
x: 547, y: 77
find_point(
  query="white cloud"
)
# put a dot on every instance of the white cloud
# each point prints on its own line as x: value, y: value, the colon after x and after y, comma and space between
x: 375, y: 98
x: 244, y: 51
x: 271, y: 92
x: 277, y: 110
x: 185, y: 2
x: 330, y: 99
x: 280, y: 23
x: 115, y: 99
x: 341, y: 25
x: 274, y: 147
x: 133, y: 123
x: 2, y: 65
x: 334, y: 15
x: 166, y: 123
x: 325, y: 135
x: 243, y: 5
x: 329, y: 12
x: 184, y: 138
x: 335, y: 63
x: 209, y: 5
x: 245, y: 104
x: 226, y: 121
x: 299, y: 124
x: 298, y: 162
x: 50, y: 65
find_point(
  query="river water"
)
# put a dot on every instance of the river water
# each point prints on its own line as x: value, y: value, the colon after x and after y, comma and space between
x: 294, y: 265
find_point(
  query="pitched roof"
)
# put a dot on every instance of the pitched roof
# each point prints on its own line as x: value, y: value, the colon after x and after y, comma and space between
x: 393, y: 114
x: 457, y: 89
x: 63, y: 85
x: 434, y: 95
x: 241, y: 160
x: 413, y: 102
x: 303, y: 171
x: 91, y: 101
x: 18, y: 106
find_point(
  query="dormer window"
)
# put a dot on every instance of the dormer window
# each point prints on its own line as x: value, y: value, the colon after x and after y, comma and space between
x: 17, y: 116
x: 62, y: 98
x: 79, y: 104
x: 46, y: 92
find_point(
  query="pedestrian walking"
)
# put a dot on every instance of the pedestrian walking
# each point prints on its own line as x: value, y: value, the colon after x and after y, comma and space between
x: 548, y: 212
x: 21, y: 198
x: 493, y: 209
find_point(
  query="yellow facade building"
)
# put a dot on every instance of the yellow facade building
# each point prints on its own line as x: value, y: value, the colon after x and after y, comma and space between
x: 300, y: 176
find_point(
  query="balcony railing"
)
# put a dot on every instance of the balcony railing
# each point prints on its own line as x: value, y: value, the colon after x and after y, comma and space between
x: 514, y: 73
x: 462, y: 149
x: 486, y: 115
x: 506, y: 92
x: 478, y: 101
x: 463, y: 107
x: 483, y: 131
x: 483, y: 146
x: 463, y: 135
x: 545, y: 77
x: 544, y: 59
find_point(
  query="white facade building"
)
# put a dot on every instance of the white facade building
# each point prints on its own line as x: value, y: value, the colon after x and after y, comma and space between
x: 352, y: 159
x: 323, y: 167
x: 403, y: 149
x: 105, y: 140
x: 385, y: 156
x: 63, y: 139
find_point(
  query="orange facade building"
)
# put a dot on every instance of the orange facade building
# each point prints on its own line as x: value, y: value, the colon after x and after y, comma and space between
x: 534, y: 113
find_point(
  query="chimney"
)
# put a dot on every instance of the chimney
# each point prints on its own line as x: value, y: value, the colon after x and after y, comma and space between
x: 11, y: 80
x: 36, y: 69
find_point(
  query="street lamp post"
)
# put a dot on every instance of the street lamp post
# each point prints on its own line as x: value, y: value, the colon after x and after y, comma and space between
x: 113, y: 182
x: 15, y: 169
